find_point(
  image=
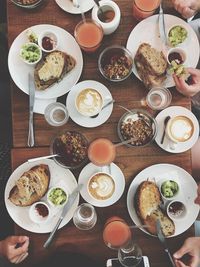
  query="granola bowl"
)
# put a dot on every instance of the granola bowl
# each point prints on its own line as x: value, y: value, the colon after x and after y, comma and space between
x: 28, y: 4
x: 71, y: 148
x: 138, y: 126
x: 115, y: 63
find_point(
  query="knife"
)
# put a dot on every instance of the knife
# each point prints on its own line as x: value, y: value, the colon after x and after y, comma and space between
x: 161, y: 23
x: 163, y: 241
x: 31, y: 105
x: 66, y: 208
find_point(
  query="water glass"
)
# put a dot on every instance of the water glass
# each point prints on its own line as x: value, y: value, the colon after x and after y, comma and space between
x: 144, y: 8
x: 56, y: 114
x: 158, y: 98
x: 85, y: 217
x: 130, y: 255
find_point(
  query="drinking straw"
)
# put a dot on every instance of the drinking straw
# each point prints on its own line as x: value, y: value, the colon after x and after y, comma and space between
x: 124, y: 142
x: 82, y: 13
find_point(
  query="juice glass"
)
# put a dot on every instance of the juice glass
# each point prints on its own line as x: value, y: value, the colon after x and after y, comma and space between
x: 88, y: 34
x: 101, y: 152
x: 116, y: 233
x: 144, y: 8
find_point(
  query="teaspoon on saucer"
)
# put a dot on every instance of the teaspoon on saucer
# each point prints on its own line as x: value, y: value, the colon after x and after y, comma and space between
x: 107, y: 104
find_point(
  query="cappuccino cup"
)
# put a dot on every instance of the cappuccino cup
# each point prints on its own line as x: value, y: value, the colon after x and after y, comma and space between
x: 89, y: 102
x: 101, y: 186
x: 179, y: 129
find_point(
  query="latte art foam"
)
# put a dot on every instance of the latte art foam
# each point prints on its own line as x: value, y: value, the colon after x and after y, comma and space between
x: 89, y: 102
x: 101, y: 186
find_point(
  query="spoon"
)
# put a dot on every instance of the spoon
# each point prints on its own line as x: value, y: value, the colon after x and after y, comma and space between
x: 165, y: 124
x: 44, y: 157
x: 107, y: 104
x: 100, y: 9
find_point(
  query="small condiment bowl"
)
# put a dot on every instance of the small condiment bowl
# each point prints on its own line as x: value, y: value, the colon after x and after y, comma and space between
x: 163, y: 185
x: 48, y: 41
x: 176, y: 54
x: 40, y: 212
x: 27, y: 56
x: 176, y: 210
x: 178, y: 40
x: 57, y: 196
x: 115, y: 63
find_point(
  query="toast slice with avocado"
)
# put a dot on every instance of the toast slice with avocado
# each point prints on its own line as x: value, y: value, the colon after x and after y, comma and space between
x: 52, y: 69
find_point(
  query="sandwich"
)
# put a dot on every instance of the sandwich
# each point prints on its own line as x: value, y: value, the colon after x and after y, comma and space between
x: 147, y: 205
x: 31, y: 186
x: 151, y: 65
x: 52, y: 69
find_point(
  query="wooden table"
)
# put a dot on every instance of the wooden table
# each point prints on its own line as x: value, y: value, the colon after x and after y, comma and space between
x: 131, y: 161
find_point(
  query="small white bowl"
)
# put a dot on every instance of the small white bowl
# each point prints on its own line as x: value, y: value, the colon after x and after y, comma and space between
x: 179, y: 41
x: 55, y: 194
x: 176, y: 210
x: 39, y: 212
x: 161, y: 191
x: 51, y: 40
x: 28, y: 53
x: 179, y: 51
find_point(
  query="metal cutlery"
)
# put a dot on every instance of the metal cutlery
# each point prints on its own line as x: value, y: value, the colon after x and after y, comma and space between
x: 65, y: 209
x: 161, y: 237
x: 161, y: 23
x: 44, y: 157
x: 165, y: 125
x: 107, y: 104
x: 31, y: 105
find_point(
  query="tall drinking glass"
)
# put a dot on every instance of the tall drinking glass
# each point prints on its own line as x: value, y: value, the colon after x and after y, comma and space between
x: 85, y: 217
x: 130, y: 255
x: 144, y: 8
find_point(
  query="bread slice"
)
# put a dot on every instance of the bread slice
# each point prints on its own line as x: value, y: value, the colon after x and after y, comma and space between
x: 147, y: 205
x: 52, y: 69
x: 167, y: 225
x: 31, y: 186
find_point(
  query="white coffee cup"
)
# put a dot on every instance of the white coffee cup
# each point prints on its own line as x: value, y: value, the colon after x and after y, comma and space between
x: 88, y: 102
x: 112, y: 22
x: 101, y: 186
x: 179, y: 130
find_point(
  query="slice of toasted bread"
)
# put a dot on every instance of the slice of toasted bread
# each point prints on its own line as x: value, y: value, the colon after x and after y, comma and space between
x: 167, y: 225
x: 31, y: 186
x: 52, y: 69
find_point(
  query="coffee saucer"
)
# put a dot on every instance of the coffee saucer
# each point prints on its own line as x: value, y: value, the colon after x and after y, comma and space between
x: 181, y: 146
x: 68, y: 6
x: 117, y: 175
x: 84, y: 121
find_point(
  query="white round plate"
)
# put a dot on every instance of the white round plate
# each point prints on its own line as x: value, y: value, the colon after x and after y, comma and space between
x: 19, y: 70
x: 117, y: 175
x: 68, y: 6
x: 147, y: 31
x: 175, y: 111
x: 20, y: 215
x: 83, y: 120
x: 188, y: 188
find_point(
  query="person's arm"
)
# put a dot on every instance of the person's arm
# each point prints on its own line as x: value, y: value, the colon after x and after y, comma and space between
x: 190, y: 247
x: 187, y: 8
x: 188, y: 89
x: 14, y: 248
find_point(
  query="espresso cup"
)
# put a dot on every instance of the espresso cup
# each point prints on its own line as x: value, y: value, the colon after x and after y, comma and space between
x: 179, y: 130
x: 101, y: 186
x: 88, y: 102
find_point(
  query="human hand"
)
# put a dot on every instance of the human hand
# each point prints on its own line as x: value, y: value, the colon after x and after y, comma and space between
x: 183, y: 87
x: 14, y: 248
x: 191, y: 247
x: 197, y: 200
x: 187, y: 8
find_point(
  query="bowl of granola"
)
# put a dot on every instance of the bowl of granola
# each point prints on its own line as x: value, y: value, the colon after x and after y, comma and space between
x: 115, y: 63
x: 29, y: 4
x: 138, y: 126
x: 71, y: 148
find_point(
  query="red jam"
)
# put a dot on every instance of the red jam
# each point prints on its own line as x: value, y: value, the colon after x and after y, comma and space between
x: 176, y: 57
x: 47, y: 43
x: 42, y: 210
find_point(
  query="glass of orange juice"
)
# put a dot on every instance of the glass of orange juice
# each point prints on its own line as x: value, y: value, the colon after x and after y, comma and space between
x: 116, y: 233
x: 144, y: 8
x: 101, y: 152
x: 88, y: 34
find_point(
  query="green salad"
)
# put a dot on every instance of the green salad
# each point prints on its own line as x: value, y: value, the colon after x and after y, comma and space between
x: 57, y: 196
x: 177, y: 35
x: 30, y: 52
x: 169, y: 188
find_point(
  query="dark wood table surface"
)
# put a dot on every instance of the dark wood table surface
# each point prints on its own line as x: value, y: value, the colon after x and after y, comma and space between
x: 131, y: 161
